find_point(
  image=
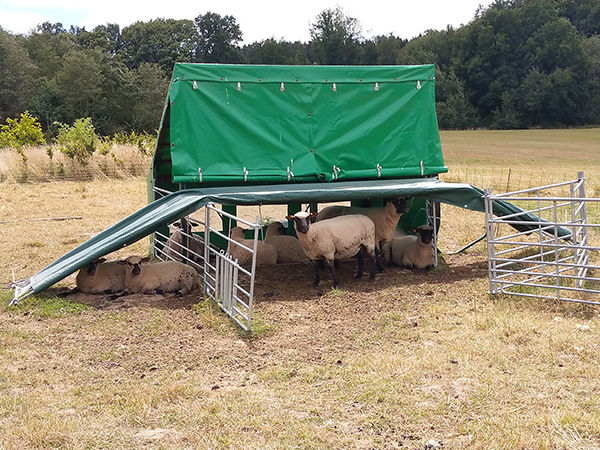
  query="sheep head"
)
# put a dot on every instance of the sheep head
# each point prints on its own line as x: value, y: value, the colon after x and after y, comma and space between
x: 91, y: 268
x: 302, y: 222
x: 425, y: 233
x: 401, y: 205
x: 134, y: 263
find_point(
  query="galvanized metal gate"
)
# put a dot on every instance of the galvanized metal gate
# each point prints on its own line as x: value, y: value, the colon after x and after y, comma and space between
x: 224, y: 280
x: 227, y: 282
x: 538, y: 263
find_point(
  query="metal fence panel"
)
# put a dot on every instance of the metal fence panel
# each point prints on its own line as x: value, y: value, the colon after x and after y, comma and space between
x: 539, y: 263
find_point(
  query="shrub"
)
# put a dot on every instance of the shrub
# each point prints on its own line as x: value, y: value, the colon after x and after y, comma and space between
x: 23, y: 132
x: 79, y: 141
x: 143, y: 141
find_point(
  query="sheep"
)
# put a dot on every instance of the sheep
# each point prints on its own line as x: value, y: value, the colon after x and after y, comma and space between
x: 411, y: 251
x: 385, y: 218
x: 101, y: 277
x: 337, y: 238
x: 158, y: 278
x: 266, y: 254
x: 174, y: 248
x: 289, y: 249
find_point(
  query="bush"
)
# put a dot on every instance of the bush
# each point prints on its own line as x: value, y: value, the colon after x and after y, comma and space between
x: 78, y: 142
x: 23, y: 132
x: 143, y: 141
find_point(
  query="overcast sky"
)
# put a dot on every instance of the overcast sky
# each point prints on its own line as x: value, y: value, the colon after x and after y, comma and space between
x: 258, y: 20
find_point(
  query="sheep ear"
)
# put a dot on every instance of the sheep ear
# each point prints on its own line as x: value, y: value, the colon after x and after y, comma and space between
x: 122, y: 262
x: 146, y: 259
x: 100, y: 261
x: 413, y: 229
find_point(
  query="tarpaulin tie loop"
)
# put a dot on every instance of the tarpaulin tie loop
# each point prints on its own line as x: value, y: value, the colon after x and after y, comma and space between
x: 195, y: 85
x: 422, y: 171
x: 245, y: 174
x: 282, y: 87
x: 289, y: 173
x: 334, y: 88
x: 378, y: 170
x: 376, y: 87
x: 200, y: 174
x: 239, y: 86
x: 418, y: 84
x: 335, y: 172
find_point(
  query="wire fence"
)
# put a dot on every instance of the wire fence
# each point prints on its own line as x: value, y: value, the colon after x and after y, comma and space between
x: 503, y: 179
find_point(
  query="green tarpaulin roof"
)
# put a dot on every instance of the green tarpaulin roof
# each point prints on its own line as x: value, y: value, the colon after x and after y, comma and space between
x: 231, y: 124
x: 179, y: 204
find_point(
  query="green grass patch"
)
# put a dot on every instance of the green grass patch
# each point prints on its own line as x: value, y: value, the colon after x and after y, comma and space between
x: 44, y: 305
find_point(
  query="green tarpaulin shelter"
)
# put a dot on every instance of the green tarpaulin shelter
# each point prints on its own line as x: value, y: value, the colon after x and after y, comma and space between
x: 244, y: 124
x: 247, y: 135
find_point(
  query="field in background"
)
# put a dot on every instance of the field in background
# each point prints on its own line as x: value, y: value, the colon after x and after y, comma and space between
x: 416, y: 360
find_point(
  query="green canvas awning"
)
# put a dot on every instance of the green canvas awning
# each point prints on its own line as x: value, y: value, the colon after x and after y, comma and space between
x: 236, y: 124
x: 182, y: 203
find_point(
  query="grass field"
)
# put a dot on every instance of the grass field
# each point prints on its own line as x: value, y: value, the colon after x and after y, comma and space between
x: 415, y: 360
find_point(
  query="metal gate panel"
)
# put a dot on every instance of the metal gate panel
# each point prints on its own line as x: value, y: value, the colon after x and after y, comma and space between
x: 538, y: 263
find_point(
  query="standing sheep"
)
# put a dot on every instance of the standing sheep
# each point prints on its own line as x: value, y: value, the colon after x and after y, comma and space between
x: 289, y: 249
x: 100, y: 277
x: 174, y: 248
x: 411, y: 251
x: 158, y: 278
x: 265, y: 253
x: 385, y: 219
x: 337, y: 238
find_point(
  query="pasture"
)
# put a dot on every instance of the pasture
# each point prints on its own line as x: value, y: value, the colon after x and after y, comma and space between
x: 415, y: 360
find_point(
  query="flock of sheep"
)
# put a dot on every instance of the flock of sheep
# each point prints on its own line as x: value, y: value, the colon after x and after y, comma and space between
x: 337, y: 233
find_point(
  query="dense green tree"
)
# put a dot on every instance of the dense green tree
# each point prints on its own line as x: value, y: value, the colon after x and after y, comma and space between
x: 335, y: 38
x: 47, y: 45
x: 270, y: 51
x: 149, y: 92
x: 161, y: 41
x: 388, y: 48
x: 79, y: 83
x: 217, y: 39
x: 17, y: 77
x: 104, y: 37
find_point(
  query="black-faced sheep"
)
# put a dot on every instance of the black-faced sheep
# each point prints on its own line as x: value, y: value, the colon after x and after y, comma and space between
x: 335, y: 239
x: 289, y: 249
x: 158, y: 278
x: 265, y: 253
x: 411, y: 251
x: 100, y: 277
x: 385, y: 218
x: 174, y: 249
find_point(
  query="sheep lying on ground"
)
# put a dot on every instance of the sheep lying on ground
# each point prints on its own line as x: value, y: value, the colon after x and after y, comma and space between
x: 265, y: 253
x: 174, y: 249
x: 289, y: 249
x: 337, y: 238
x: 385, y: 219
x: 100, y: 277
x: 158, y: 278
x: 411, y: 251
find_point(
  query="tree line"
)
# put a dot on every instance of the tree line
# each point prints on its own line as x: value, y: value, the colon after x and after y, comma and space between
x: 516, y: 64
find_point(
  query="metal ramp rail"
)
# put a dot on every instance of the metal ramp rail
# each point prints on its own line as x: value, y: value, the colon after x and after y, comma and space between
x: 546, y: 265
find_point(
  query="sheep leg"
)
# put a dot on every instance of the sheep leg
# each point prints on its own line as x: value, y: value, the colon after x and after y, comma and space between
x: 317, y: 278
x: 378, y: 258
x: 361, y: 263
x: 336, y: 280
x: 374, y: 260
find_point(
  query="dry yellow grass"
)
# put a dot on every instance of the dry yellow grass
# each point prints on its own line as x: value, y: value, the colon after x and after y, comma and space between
x: 414, y: 360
